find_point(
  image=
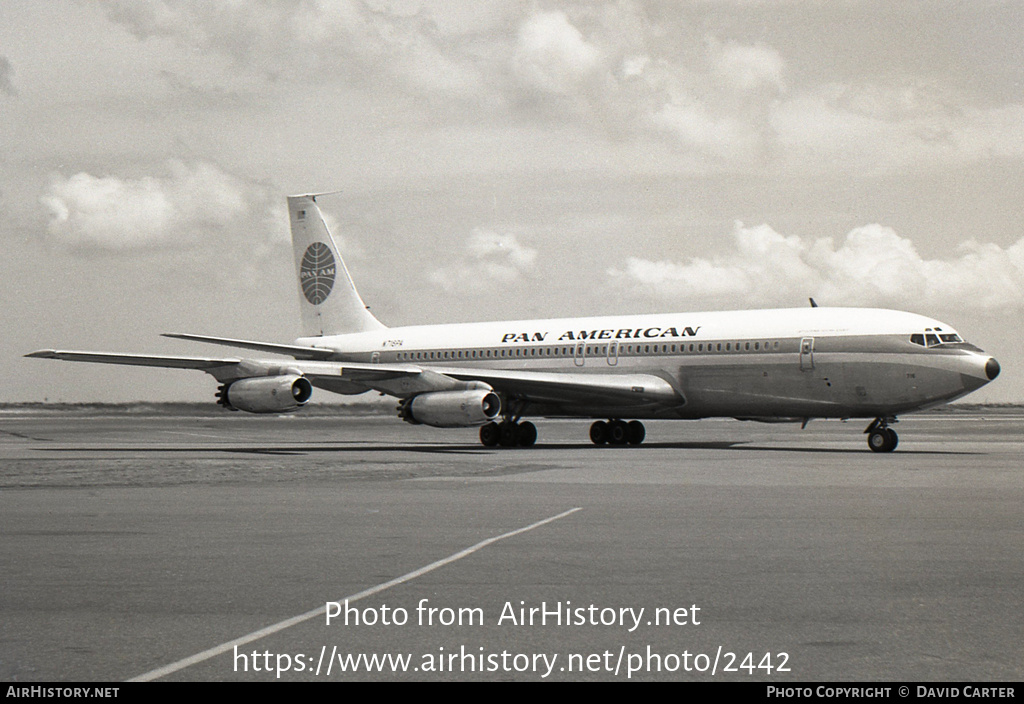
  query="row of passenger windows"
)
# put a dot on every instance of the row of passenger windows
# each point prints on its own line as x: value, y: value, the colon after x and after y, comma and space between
x: 577, y: 351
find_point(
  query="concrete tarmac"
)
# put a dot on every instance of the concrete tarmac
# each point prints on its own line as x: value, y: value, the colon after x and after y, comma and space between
x: 756, y: 553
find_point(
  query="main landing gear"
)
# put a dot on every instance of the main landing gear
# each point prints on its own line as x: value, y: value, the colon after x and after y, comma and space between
x: 617, y: 432
x: 882, y: 438
x: 508, y: 433
x: 512, y: 433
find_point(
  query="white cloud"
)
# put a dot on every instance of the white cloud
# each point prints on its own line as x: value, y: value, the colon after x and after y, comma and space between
x: 873, y: 266
x: 552, y: 55
x: 710, y: 98
x: 875, y: 128
x: 187, y: 206
x: 491, y: 258
x: 620, y: 74
x: 690, y: 122
x: 613, y: 67
x: 749, y: 68
x: 313, y: 41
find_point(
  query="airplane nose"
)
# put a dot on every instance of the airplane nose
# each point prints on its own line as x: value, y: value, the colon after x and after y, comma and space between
x: 991, y: 368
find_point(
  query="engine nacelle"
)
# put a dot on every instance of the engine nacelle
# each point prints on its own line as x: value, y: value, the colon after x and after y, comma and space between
x: 451, y: 409
x: 267, y: 394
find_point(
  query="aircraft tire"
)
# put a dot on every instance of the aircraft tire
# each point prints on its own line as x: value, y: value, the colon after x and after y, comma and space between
x: 618, y: 432
x: 508, y: 435
x: 526, y: 434
x: 883, y: 440
x: 490, y: 434
x: 635, y: 432
x: 599, y: 432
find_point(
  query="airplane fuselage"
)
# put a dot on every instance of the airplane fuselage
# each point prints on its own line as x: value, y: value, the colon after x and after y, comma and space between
x: 764, y: 365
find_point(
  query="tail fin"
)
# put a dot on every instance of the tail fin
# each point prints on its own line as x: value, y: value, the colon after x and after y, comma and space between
x: 328, y: 298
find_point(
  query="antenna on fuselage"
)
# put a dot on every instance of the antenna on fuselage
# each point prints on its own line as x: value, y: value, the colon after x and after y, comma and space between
x: 813, y: 304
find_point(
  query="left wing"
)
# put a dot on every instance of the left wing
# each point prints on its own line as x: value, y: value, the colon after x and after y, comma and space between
x: 546, y: 389
x: 228, y: 369
x: 297, y: 351
x: 206, y: 364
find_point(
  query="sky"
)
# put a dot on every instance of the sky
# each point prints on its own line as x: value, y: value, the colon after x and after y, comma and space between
x: 499, y: 160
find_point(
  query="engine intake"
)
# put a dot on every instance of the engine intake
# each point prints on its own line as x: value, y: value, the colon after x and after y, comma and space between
x: 451, y: 409
x: 270, y: 394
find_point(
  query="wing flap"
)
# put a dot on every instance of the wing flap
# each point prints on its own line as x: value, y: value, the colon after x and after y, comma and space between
x: 575, y: 388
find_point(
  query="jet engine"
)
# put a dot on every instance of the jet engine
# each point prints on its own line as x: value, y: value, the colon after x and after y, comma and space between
x: 451, y: 409
x: 267, y: 394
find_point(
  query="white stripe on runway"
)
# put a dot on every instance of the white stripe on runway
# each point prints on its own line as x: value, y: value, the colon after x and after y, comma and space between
x: 294, y: 620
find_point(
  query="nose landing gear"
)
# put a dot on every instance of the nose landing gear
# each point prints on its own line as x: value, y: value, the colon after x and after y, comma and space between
x: 882, y: 438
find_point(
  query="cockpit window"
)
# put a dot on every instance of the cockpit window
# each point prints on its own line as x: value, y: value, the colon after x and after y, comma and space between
x: 934, y: 339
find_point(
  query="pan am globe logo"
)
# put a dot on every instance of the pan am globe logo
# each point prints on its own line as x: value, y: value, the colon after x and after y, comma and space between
x: 316, y: 273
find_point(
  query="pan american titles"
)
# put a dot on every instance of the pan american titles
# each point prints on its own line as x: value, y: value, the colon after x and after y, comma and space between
x: 609, y: 334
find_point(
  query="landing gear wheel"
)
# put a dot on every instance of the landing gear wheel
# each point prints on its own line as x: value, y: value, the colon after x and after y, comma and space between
x: 635, y: 432
x: 490, y: 434
x: 618, y: 432
x: 526, y: 434
x: 883, y: 440
x: 508, y: 436
x: 599, y: 432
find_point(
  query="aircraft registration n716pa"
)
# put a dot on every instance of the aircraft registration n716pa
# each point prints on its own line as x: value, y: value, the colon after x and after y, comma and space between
x: 765, y: 365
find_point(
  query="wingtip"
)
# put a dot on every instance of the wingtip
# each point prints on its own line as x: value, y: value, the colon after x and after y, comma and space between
x: 43, y: 354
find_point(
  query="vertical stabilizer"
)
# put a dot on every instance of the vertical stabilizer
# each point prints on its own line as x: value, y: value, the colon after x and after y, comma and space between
x: 329, y: 301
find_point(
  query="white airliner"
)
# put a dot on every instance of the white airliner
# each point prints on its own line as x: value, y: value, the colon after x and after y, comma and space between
x: 766, y: 365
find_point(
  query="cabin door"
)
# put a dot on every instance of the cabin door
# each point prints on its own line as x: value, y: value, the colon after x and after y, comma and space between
x: 613, y: 353
x: 807, y: 354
